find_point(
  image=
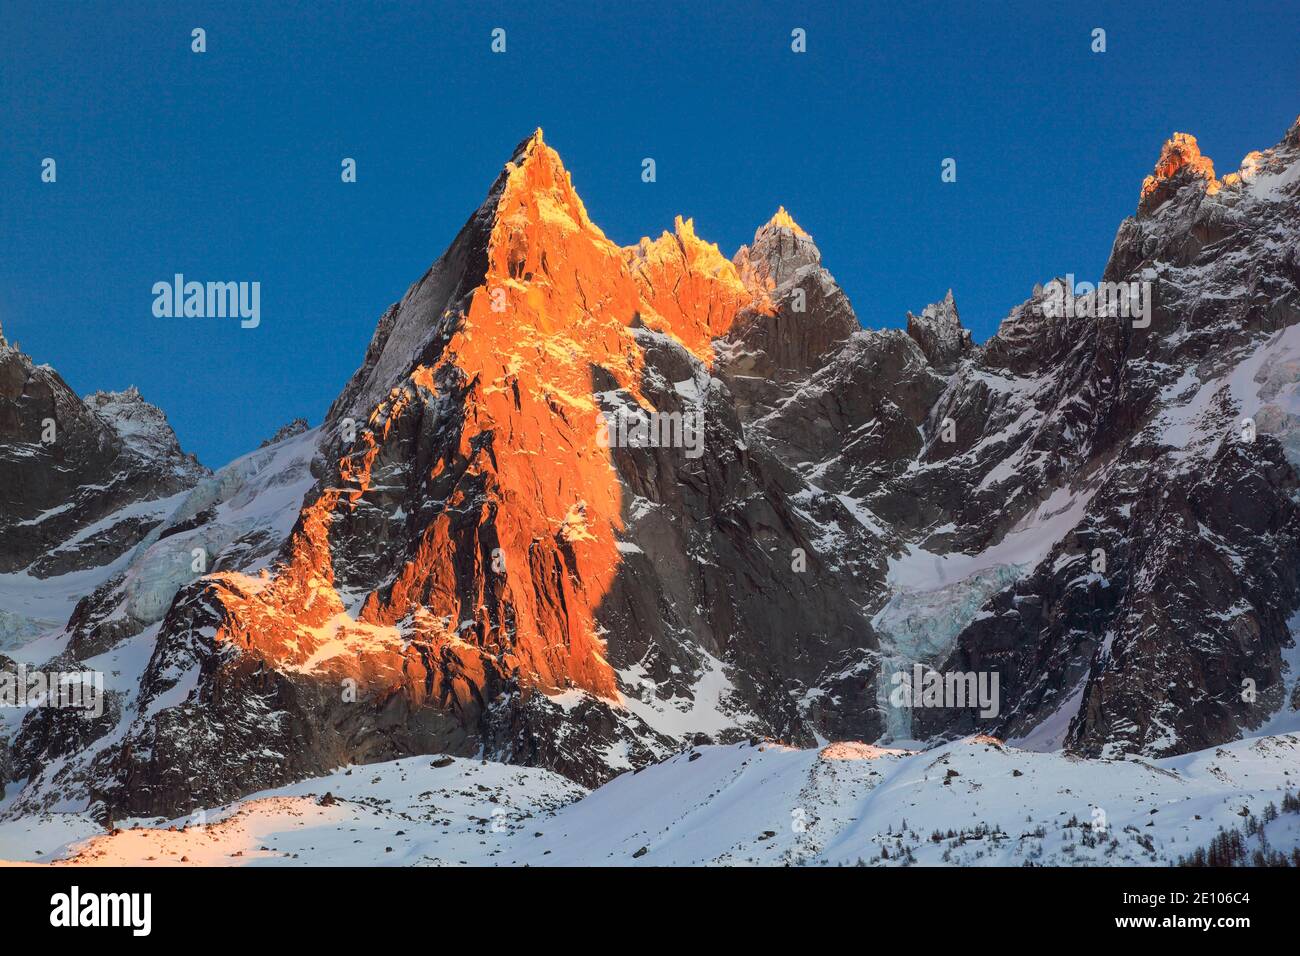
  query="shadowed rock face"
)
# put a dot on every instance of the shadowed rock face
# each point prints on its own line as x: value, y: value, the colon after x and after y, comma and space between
x: 937, y: 330
x: 1194, y: 509
x: 66, y: 465
x: 802, y: 319
x: 581, y: 504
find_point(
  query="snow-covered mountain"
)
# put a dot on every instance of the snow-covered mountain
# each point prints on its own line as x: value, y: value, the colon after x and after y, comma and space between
x: 82, y: 482
x: 1099, y: 508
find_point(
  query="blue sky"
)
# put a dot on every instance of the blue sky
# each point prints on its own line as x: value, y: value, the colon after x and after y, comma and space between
x: 225, y: 165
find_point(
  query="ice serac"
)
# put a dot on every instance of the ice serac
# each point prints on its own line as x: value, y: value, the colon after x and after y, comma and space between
x: 477, y: 571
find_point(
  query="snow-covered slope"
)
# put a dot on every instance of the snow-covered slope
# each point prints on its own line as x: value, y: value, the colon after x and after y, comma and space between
x: 234, y: 519
x: 412, y: 812
x: 971, y: 802
x: 846, y: 803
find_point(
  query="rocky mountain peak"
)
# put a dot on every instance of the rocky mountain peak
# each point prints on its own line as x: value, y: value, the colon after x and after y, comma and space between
x: 126, y: 398
x: 11, y: 348
x: 550, y: 264
x: 538, y: 189
x: 143, y: 428
x: 939, y: 333
x: 1181, y: 162
x: 685, y: 248
x: 692, y: 290
x: 1292, y: 137
x: 287, y: 430
x: 780, y: 252
x: 77, y: 475
x: 798, y: 317
x: 783, y: 220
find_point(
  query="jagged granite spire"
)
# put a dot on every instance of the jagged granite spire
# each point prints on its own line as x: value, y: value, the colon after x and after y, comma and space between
x: 1181, y: 162
x: 939, y: 333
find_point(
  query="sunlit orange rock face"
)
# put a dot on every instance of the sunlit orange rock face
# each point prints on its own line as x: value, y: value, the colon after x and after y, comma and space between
x: 688, y: 288
x: 498, y: 576
x: 1180, y: 153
